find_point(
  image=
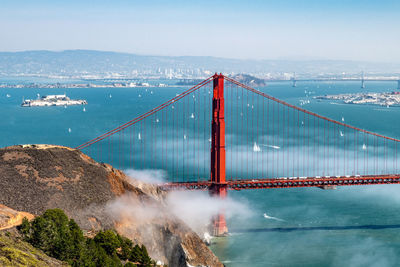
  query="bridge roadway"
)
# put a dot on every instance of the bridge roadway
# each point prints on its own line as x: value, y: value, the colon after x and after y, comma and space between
x: 325, y: 182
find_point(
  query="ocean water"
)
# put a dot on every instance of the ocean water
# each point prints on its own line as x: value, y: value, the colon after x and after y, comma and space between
x: 350, y: 226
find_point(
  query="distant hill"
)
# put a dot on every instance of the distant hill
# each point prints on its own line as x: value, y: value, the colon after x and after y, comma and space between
x: 249, y: 80
x: 78, y: 62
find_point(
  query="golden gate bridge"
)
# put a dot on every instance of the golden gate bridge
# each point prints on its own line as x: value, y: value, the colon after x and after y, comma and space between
x: 254, y: 141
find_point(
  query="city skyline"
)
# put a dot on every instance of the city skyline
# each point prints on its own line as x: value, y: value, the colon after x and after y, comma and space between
x: 339, y: 30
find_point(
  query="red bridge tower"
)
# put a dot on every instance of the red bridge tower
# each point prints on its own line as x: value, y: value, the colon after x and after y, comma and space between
x: 219, y: 186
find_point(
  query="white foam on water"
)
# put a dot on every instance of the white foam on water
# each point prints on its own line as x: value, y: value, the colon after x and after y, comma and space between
x: 272, y: 146
x: 266, y: 216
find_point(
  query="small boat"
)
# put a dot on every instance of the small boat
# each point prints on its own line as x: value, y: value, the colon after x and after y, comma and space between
x: 84, y: 110
x: 192, y: 116
x: 69, y: 130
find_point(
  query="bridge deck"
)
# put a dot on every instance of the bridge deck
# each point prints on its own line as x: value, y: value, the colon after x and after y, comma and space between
x: 288, y: 182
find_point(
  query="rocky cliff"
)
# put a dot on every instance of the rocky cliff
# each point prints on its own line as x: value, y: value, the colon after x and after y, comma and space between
x: 34, y: 178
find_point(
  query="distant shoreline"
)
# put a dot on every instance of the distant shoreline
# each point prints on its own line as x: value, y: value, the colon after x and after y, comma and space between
x: 79, y: 85
x: 374, y: 99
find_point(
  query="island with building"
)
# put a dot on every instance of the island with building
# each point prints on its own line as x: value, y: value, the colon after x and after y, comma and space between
x: 382, y: 99
x: 52, y: 100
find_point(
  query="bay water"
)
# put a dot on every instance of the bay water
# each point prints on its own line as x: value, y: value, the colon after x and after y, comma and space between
x: 350, y: 226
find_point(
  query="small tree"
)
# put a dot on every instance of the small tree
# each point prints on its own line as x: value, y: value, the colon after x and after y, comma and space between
x: 108, y: 240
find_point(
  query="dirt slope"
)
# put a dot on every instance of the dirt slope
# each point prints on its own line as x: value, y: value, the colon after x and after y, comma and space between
x: 10, y: 218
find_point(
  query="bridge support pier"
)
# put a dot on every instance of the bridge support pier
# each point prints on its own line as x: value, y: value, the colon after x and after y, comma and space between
x: 294, y: 84
x: 218, y: 158
x: 362, y: 80
x: 219, y: 223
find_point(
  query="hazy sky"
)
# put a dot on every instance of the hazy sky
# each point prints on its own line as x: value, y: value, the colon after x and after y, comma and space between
x: 281, y: 29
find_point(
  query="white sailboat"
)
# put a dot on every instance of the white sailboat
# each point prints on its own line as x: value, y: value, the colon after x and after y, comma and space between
x: 256, y: 148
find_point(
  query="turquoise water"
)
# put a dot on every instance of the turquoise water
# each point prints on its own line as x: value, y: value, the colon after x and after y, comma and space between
x: 340, y: 227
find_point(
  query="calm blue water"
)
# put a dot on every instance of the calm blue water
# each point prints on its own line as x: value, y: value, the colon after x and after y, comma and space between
x: 324, y: 222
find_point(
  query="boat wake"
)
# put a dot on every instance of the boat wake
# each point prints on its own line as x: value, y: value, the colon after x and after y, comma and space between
x: 271, y: 146
x: 273, y: 218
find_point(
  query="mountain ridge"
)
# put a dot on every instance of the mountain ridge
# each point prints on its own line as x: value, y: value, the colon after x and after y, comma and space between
x: 83, y: 61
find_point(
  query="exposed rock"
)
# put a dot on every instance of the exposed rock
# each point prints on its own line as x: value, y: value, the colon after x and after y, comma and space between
x: 35, y: 178
x: 10, y: 218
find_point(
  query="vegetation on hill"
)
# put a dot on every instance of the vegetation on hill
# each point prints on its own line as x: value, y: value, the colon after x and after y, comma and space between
x: 61, y: 238
x: 15, y: 252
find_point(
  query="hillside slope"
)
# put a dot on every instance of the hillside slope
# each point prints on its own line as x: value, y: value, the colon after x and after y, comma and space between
x: 34, y: 178
x: 15, y: 252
